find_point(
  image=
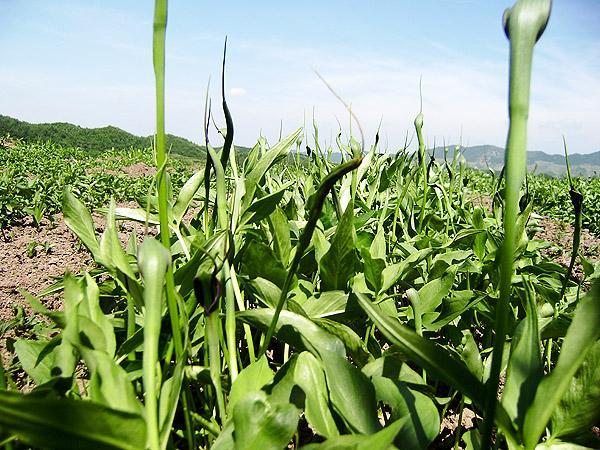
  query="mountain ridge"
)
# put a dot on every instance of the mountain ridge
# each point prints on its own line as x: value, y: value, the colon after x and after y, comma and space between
x: 492, y: 157
x: 96, y: 140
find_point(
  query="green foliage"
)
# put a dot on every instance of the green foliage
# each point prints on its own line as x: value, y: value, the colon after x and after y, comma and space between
x: 372, y: 289
x: 93, y: 141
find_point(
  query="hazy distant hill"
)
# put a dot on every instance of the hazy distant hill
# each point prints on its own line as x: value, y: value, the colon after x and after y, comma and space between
x: 491, y: 156
x: 95, y: 140
x: 484, y: 156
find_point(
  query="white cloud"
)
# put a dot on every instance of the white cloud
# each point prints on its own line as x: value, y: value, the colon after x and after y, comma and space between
x: 237, y: 92
x: 459, y: 93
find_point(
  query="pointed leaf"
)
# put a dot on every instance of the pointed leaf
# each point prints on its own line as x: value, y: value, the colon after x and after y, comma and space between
x: 79, y: 220
x: 251, y: 379
x: 338, y: 264
x: 581, y: 337
x: 308, y: 374
x: 525, y: 368
x: 261, y: 425
x: 69, y: 424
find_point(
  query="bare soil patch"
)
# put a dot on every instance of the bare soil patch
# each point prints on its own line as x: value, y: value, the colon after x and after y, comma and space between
x: 139, y: 170
x: 560, y: 236
x: 31, y: 258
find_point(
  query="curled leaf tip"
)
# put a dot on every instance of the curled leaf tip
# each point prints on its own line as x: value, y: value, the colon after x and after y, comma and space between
x: 527, y: 16
x: 419, y: 120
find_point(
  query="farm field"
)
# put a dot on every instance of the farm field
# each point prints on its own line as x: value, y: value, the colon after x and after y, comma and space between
x: 385, y: 249
x: 276, y: 298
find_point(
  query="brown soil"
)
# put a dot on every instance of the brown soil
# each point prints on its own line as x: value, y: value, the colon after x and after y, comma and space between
x: 560, y: 236
x: 134, y: 170
x: 139, y: 170
x: 8, y: 142
x: 32, y: 258
x: 450, y: 425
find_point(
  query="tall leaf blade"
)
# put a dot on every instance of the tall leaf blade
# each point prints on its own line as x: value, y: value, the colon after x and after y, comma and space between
x: 433, y: 358
x: 338, y: 264
x: 525, y: 364
x: 308, y: 374
x: 579, y: 409
x: 70, y: 424
x: 581, y: 337
x: 357, y: 410
x: 79, y: 220
x: 266, y: 161
x: 251, y: 379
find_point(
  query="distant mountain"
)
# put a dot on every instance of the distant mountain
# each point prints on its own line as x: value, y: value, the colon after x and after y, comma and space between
x: 96, y: 140
x: 484, y: 156
x: 492, y: 157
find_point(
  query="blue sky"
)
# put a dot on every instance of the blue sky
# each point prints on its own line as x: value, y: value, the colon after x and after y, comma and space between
x: 89, y: 63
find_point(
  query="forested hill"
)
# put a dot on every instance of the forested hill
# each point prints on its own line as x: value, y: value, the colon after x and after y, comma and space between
x: 94, y: 140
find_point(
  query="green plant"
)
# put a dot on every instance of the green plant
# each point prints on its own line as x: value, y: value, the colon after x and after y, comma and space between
x: 314, y: 305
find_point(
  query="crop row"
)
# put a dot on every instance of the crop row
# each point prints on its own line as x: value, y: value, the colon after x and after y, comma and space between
x: 320, y: 306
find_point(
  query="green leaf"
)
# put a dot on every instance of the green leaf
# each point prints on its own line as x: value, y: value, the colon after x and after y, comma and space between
x: 136, y: 214
x: 259, y: 260
x: 298, y: 331
x: 323, y: 304
x: 432, y: 357
x: 65, y: 358
x: 254, y: 177
x: 186, y: 196
x: 581, y: 337
x: 357, y: 410
x: 432, y: 293
x: 109, y: 384
x: 352, y: 395
x: 261, y: 425
x: 423, y: 420
x: 263, y: 207
x: 470, y: 355
x: 579, y: 408
x: 90, y: 308
x: 267, y: 291
x: 169, y: 398
x: 113, y: 255
x: 558, y: 445
x: 373, y: 269
x: 392, y: 273
x: 37, y: 359
x: 280, y: 228
x: 308, y: 374
x: 69, y: 424
x: 338, y: 265
x: 436, y: 360
x: 251, y: 379
x: 452, y: 307
x: 442, y: 261
x: 153, y: 261
x: 79, y: 219
x: 525, y: 368
x: 378, y: 248
x: 382, y: 440
x: 355, y: 346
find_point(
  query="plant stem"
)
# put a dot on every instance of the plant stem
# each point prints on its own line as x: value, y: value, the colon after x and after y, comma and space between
x: 305, y: 238
x: 524, y: 24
